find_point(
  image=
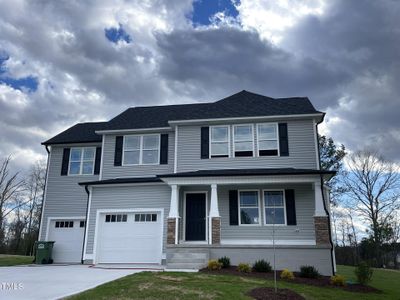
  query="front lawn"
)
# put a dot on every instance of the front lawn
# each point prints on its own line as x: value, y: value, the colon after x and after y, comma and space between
x: 13, y: 260
x: 165, y: 285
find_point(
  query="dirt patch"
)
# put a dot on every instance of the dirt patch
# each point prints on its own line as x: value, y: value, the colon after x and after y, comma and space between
x: 145, y: 286
x: 171, y: 278
x: 323, y: 281
x: 269, y: 293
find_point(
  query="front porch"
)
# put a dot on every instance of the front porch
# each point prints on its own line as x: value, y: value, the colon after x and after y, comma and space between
x: 247, y: 215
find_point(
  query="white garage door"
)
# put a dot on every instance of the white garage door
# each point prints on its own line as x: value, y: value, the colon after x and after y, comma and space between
x: 68, y: 237
x: 130, y: 238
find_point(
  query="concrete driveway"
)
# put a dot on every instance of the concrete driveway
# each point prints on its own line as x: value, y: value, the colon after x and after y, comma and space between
x: 53, y: 282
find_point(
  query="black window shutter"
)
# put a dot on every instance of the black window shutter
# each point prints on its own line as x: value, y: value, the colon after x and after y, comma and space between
x: 164, y: 149
x: 233, y: 208
x: 119, y: 140
x: 65, y: 162
x: 97, y: 161
x: 205, y: 131
x: 283, y: 139
x: 290, y: 207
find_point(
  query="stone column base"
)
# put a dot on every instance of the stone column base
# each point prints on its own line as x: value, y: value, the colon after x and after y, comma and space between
x: 321, y: 230
x: 216, y: 230
x: 171, y: 229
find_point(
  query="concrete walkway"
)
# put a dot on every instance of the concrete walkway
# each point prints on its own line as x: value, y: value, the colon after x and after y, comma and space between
x: 54, y: 281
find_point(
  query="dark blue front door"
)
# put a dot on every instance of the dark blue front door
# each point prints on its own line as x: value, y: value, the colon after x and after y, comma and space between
x: 195, y: 217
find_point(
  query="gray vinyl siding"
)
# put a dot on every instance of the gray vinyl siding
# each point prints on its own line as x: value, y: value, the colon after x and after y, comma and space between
x: 64, y: 197
x: 304, y: 201
x: 127, y: 197
x: 111, y: 171
x: 301, y: 150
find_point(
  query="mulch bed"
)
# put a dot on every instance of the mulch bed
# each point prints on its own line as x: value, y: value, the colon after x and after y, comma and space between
x: 323, y: 281
x: 269, y: 293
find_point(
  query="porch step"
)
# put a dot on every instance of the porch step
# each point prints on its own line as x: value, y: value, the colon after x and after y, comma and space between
x: 187, y: 258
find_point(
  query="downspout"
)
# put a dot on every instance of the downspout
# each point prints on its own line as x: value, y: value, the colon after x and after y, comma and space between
x: 324, y: 200
x: 44, y: 190
x: 84, y: 233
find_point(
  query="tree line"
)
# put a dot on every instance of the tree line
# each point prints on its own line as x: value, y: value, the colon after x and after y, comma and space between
x: 21, y: 198
x: 366, y: 192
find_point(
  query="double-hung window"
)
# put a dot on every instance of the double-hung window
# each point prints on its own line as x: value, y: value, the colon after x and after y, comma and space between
x: 243, y: 140
x: 141, y: 149
x: 81, y: 161
x: 267, y: 135
x: 249, y: 212
x: 274, y: 204
x: 219, y: 141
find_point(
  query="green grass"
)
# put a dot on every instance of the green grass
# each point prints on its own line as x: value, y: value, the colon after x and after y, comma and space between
x: 14, y: 260
x: 149, y: 285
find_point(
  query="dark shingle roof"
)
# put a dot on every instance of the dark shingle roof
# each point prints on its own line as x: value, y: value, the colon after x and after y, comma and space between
x: 249, y: 172
x: 79, y: 133
x: 242, y: 104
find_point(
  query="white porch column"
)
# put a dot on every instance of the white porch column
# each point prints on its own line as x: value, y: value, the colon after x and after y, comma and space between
x: 173, y: 216
x: 319, y: 200
x: 214, y: 218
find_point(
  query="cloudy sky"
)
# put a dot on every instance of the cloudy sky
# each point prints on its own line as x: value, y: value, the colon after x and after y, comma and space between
x: 63, y: 62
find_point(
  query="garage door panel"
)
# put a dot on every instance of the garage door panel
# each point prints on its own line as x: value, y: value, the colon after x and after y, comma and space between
x: 68, y: 241
x: 130, y: 241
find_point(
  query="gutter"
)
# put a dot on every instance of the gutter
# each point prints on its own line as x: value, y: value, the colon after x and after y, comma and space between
x: 86, y: 224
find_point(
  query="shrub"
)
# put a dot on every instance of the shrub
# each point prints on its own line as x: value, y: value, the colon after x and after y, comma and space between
x: 262, y: 266
x: 338, y: 280
x: 244, y: 268
x: 363, y: 272
x: 286, y: 274
x: 308, y: 272
x: 225, y: 262
x: 214, y: 265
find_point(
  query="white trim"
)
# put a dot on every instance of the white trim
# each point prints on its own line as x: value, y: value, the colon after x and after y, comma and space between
x: 45, y: 195
x: 137, y: 130
x: 221, y: 180
x: 184, y: 217
x: 284, y: 206
x: 277, y: 139
x: 49, y: 219
x: 268, y: 242
x: 210, y: 141
x: 252, y: 138
x: 141, y: 149
x: 81, y: 161
x: 176, y: 150
x: 104, y: 211
x: 258, y: 206
x: 316, y: 144
x: 87, y: 222
x: 127, y: 184
x: 102, y: 157
x: 247, y: 118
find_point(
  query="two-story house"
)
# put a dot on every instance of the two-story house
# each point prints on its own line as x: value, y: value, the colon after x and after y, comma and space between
x: 177, y: 185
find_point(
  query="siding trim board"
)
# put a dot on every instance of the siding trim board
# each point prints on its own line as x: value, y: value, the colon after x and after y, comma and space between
x: 293, y: 242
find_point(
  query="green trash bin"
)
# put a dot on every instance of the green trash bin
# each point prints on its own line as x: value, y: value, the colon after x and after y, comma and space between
x: 43, y: 251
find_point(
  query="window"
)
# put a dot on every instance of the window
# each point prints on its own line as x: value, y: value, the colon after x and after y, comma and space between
x: 82, y: 224
x: 141, y: 149
x: 64, y: 224
x: 81, y: 161
x: 249, y: 208
x: 267, y: 136
x: 243, y: 140
x: 219, y: 141
x: 145, y: 217
x: 274, y: 204
x: 116, y: 218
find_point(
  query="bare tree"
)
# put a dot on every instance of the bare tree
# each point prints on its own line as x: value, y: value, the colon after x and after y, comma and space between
x: 10, y: 188
x: 373, y: 187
